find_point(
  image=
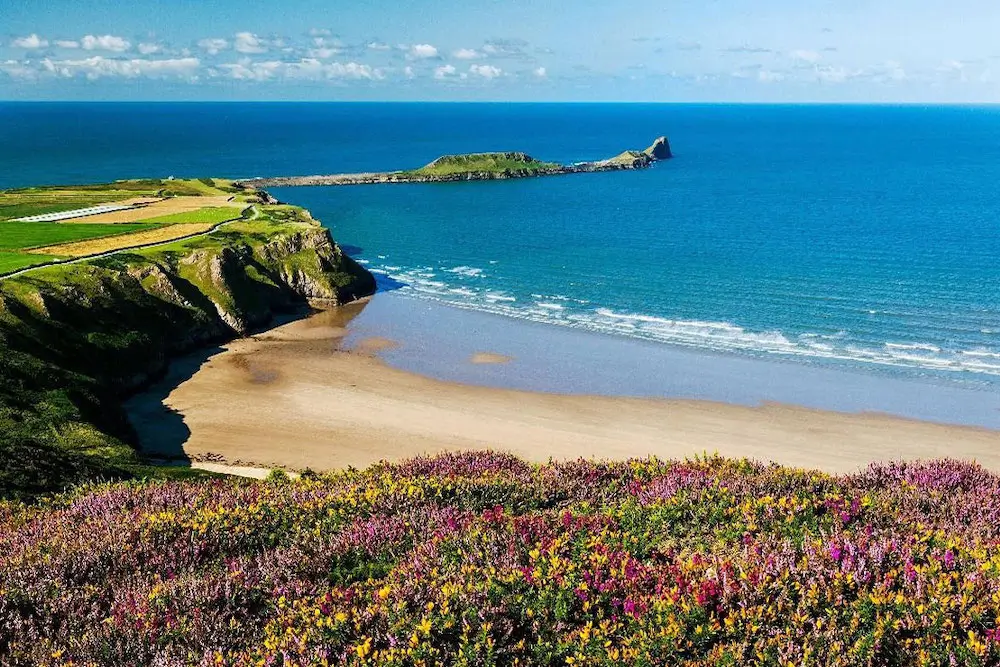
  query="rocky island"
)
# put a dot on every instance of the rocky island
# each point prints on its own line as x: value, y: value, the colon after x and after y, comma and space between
x: 478, y: 167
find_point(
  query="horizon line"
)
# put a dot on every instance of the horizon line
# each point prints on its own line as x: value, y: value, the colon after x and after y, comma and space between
x: 513, y: 102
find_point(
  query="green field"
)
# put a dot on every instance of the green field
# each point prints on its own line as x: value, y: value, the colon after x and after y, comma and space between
x: 24, y: 202
x: 25, y: 235
x: 203, y: 215
x: 13, y: 261
x: 22, y: 205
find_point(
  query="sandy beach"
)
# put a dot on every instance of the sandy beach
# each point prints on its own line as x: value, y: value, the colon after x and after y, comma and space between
x: 293, y: 397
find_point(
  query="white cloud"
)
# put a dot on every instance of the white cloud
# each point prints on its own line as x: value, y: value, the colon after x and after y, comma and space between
x: 149, y: 48
x: 378, y: 46
x: 541, y: 73
x: 408, y: 71
x: 444, y: 71
x: 890, y: 70
x: 213, y: 46
x: 769, y: 76
x: 32, y: 41
x: 467, y: 54
x: 248, y: 42
x: 68, y: 43
x: 423, y: 51
x: 324, y: 48
x: 105, y: 43
x: 319, y: 32
x: 322, y: 53
x: 803, y: 55
x: 18, y: 69
x: 508, y: 48
x: 486, y: 71
x: 310, y: 69
x: 97, y: 67
x: 834, y: 74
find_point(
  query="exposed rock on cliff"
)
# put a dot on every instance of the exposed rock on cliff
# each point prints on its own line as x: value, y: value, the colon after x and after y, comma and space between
x: 660, y: 150
x: 75, y: 338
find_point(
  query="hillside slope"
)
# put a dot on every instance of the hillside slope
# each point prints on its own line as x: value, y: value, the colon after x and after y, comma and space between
x: 76, y: 338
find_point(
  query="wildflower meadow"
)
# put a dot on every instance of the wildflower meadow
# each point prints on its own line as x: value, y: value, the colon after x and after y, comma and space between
x: 482, y: 559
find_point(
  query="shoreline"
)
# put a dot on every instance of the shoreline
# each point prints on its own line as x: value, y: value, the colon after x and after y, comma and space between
x: 317, y: 393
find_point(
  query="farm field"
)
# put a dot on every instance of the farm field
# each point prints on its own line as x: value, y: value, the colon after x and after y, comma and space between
x: 165, y: 210
x: 213, y: 215
x: 167, y: 207
x: 27, y: 235
x: 96, y: 246
x: 15, y: 261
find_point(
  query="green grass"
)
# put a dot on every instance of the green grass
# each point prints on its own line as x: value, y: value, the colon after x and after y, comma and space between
x: 22, y: 205
x: 483, y: 162
x: 13, y: 261
x: 73, y: 337
x: 24, y: 235
x: 213, y: 215
x: 24, y: 202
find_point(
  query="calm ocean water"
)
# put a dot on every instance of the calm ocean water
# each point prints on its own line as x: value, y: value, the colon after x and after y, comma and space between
x: 849, y: 236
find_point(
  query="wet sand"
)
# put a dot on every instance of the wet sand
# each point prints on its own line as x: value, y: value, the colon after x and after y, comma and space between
x: 293, y: 397
x: 489, y: 358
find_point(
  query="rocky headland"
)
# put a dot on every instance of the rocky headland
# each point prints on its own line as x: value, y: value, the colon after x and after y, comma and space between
x: 478, y: 167
x: 76, y: 339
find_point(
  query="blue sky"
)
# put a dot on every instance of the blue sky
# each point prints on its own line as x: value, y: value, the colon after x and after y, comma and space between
x: 518, y: 50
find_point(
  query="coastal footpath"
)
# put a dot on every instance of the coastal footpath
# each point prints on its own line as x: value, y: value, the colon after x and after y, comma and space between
x: 478, y: 167
x: 76, y: 339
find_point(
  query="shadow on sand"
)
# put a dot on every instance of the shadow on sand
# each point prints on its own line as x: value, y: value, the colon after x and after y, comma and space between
x: 161, y: 431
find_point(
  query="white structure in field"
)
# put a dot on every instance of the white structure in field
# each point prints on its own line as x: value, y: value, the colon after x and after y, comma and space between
x: 78, y: 213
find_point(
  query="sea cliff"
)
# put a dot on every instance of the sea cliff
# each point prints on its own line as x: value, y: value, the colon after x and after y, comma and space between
x: 75, y: 339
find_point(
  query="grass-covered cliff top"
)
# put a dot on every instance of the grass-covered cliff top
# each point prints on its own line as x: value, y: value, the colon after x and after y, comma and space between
x: 42, y: 225
x: 22, y: 202
x: 75, y: 338
x: 483, y: 559
x: 498, y: 163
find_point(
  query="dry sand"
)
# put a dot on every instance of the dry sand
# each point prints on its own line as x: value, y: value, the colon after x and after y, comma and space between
x: 291, y: 398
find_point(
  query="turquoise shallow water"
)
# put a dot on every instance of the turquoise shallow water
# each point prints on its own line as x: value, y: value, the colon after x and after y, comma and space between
x: 859, y: 237
x: 862, y: 238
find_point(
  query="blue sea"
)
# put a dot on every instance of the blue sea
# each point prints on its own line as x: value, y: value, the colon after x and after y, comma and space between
x: 859, y: 238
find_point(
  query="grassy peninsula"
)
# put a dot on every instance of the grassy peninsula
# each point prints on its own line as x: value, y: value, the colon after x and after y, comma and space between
x: 485, y: 163
x: 479, y: 167
x: 76, y: 338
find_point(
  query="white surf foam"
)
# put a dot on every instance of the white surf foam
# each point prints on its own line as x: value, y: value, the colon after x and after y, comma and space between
x: 711, y: 335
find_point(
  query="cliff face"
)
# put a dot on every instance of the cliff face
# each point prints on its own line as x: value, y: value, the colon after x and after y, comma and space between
x: 74, y: 339
x: 119, y: 319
